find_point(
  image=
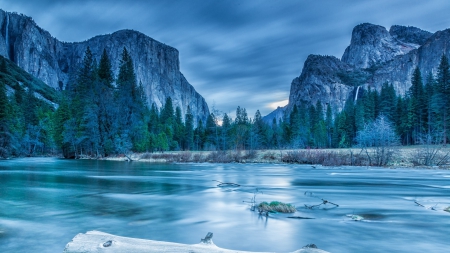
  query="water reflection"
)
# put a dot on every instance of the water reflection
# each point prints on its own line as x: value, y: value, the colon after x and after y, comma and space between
x: 51, y: 200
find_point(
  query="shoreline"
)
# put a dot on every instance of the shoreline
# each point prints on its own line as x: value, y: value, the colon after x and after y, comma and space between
x: 402, y: 157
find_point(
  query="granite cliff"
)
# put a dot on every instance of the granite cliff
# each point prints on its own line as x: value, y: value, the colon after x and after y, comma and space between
x: 54, y: 62
x: 374, y: 56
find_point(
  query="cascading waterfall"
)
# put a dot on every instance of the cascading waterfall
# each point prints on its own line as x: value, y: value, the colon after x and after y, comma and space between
x: 7, y: 34
x: 356, y: 95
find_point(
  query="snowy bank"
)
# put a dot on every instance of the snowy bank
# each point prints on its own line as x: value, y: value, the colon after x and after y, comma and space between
x: 96, y: 241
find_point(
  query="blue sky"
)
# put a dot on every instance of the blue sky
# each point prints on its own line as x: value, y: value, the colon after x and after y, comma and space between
x: 235, y: 52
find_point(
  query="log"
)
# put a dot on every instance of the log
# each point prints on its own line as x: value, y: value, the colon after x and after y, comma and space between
x: 96, y: 241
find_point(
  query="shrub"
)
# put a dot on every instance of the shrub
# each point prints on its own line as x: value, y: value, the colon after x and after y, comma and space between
x: 219, y: 157
x: 249, y: 155
x: 269, y: 156
x: 198, y: 158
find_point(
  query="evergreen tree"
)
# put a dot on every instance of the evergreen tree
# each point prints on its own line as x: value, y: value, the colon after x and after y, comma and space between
x: 329, y: 125
x: 131, y: 107
x: 179, y: 132
x: 189, y: 129
x: 416, y: 94
x: 5, y: 135
x: 105, y: 70
x: 241, y: 129
x: 442, y: 96
x: 167, y: 113
x: 211, y: 131
x: 3, y: 68
x: 199, y: 136
x: 429, y: 93
x: 387, y: 101
x: 260, y: 138
x: 225, y: 132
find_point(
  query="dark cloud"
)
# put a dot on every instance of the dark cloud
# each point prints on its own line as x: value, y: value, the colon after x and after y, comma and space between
x: 237, y: 52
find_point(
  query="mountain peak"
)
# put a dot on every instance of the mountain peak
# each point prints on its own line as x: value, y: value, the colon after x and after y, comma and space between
x: 373, y: 44
x: 409, y: 34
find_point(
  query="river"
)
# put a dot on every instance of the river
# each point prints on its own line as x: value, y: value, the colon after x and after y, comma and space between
x: 45, y: 202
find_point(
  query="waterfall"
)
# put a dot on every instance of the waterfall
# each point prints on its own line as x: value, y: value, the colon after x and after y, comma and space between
x: 356, y: 95
x: 7, y: 35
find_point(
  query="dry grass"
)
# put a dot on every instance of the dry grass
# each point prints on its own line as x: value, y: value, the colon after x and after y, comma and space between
x: 408, y: 156
x: 276, y: 206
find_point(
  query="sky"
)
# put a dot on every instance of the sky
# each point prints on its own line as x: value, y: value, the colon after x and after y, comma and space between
x: 235, y: 52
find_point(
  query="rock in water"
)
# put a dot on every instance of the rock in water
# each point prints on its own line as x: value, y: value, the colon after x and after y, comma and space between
x: 156, y: 65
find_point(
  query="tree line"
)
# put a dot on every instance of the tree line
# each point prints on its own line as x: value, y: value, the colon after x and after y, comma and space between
x: 99, y: 115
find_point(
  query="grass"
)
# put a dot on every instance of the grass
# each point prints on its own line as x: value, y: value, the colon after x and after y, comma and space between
x: 405, y: 157
x: 276, y: 206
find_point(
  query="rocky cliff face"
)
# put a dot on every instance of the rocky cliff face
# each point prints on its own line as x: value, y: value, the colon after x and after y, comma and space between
x: 320, y: 81
x: 374, y: 56
x: 277, y: 114
x: 54, y: 62
x: 399, y: 70
x: 373, y: 44
x: 409, y: 34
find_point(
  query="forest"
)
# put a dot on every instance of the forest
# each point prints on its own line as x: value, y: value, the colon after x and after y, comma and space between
x: 99, y: 115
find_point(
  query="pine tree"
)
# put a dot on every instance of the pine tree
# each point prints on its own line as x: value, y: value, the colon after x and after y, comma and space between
x: 179, y: 133
x: 387, y: 101
x: 225, y: 132
x: 416, y: 94
x: 189, y: 129
x: 4, y: 109
x: 442, y: 96
x: 329, y: 125
x: 3, y: 68
x: 131, y: 107
x: 167, y: 113
x: 429, y: 93
x: 260, y: 134
x: 241, y: 129
x: 105, y: 70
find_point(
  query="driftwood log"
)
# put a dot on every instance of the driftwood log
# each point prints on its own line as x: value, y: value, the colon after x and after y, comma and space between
x: 96, y: 241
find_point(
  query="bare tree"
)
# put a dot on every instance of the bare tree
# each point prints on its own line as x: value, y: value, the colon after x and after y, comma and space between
x: 430, y: 151
x: 378, y: 140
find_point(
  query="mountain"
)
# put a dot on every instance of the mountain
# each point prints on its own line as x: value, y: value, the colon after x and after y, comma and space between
x: 13, y: 76
x: 276, y: 114
x: 374, y: 56
x: 54, y: 62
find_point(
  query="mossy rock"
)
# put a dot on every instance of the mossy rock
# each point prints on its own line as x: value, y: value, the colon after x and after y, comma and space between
x: 276, y: 206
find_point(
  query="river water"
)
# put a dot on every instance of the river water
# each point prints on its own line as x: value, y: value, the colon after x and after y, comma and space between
x: 45, y: 202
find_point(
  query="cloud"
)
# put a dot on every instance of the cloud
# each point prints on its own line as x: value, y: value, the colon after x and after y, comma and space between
x: 235, y: 53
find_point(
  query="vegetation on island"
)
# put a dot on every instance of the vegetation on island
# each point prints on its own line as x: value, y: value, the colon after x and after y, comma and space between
x: 99, y: 115
x: 276, y: 206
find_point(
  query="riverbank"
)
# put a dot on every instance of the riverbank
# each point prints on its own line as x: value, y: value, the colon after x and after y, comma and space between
x: 414, y: 156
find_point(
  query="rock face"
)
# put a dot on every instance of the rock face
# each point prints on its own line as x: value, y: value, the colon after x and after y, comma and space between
x: 156, y: 65
x: 374, y: 56
x: 320, y: 81
x: 373, y: 44
x: 409, y: 34
x: 277, y: 114
x: 399, y: 70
